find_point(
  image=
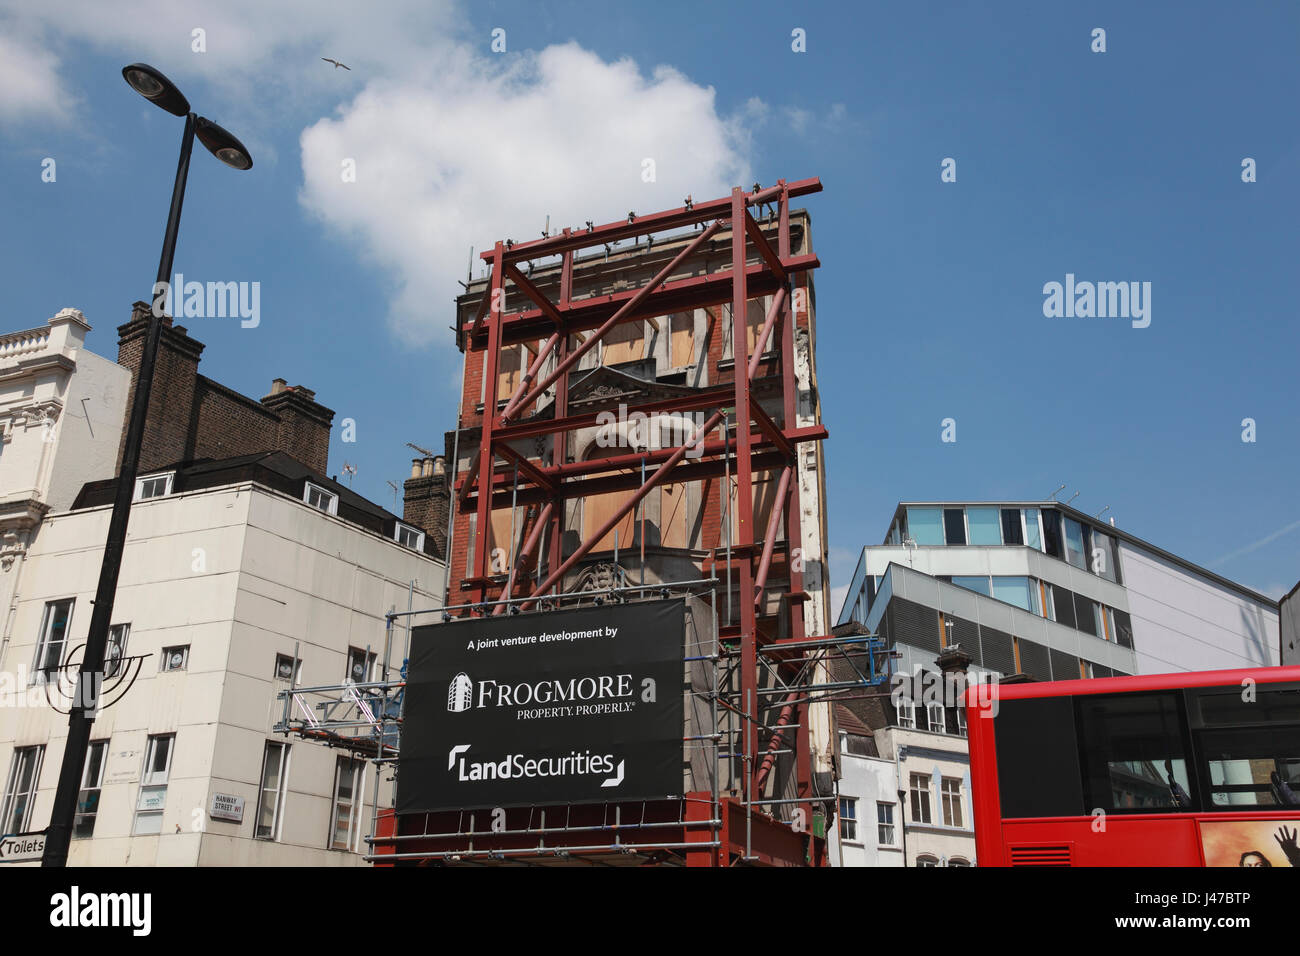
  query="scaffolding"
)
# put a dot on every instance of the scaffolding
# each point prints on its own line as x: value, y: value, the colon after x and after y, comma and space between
x: 755, y: 673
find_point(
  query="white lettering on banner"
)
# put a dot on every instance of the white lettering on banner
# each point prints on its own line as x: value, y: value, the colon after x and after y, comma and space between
x: 492, y: 693
x: 521, y: 766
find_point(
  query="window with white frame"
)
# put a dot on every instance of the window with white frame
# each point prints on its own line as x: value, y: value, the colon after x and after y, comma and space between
x: 409, y: 537
x: 153, y: 486
x: 961, y: 720
x: 153, y: 784
x: 349, y: 779
x: 20, y: 789
x: 906, y: 713
x: 270, y: 798
x: 927, y: 860
x: 885, y: 824
x: 92, y: 782
x: 934, y: 714
x: 958, y: 861
x: 919, y: 792
x: 319, y: 498
x: 115, y: 653
x: 848, y: 819
x: 53, y: 639
x: 952, y: 802
x: 175, y: 658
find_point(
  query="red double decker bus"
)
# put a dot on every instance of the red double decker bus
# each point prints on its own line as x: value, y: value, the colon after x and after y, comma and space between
x: 1192, y: 769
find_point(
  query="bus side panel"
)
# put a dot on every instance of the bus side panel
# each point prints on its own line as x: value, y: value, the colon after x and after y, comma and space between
x: 1126, y: 841
x: 986, y: 806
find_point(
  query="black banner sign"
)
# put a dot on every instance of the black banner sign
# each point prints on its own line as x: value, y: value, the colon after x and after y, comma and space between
x: 559, y: 707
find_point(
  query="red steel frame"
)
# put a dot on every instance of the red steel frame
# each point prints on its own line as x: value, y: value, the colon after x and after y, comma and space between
x: 499, y: 477
x: 1146, y: 839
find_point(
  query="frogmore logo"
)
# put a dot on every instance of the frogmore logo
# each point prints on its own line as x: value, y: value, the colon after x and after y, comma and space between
x: 460, y: 693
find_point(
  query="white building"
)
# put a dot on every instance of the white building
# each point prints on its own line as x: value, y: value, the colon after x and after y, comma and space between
x: 228, y: 569
x: 868, y: 829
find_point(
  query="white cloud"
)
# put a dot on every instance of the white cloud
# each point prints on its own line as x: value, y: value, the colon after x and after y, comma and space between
x: 482, y: 149
x: 30, y: 86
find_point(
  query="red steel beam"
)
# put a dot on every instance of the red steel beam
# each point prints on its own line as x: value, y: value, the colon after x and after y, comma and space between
x: 641, y: 294
x: 769, y: 427
x: 659, y: 474
x: 532, y: 472
x: 535, y: 294
x: 760, y: 346
x: 525, y: 553
x: 764, y: 248
x: 769, y: 538
x: 697, y: 291
x: 648, y: 224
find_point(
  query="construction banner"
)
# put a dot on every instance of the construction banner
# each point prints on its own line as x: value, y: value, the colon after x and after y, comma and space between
x: 567, y: 706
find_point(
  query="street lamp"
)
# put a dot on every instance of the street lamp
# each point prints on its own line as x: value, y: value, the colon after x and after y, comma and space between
x: 155, y: 87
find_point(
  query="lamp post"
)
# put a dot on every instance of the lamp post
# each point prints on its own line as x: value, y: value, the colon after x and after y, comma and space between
x: 153, y: 86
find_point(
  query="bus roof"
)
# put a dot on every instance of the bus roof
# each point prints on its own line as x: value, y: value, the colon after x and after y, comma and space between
x: 1120, y: 685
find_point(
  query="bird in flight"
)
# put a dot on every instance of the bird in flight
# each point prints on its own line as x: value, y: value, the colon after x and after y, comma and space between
x: 337, y: 64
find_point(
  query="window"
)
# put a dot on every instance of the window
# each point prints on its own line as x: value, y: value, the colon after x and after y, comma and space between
x: 409, y: 537
x: 954, y: 525
x: 20, y: 790
x: 1063, y: 606
x: 925, y: 525
x: 1249, y: 749
x: 116, y: 651
x: 985, y: 526
x: 1086, y: 616
x: 270, y: 797
x: 848, y: 819
x: 961, y: 720
x: 153, y: 486
x: 53, y: 639
x: 1032, y: 536
x: 885, y: 824
x: 1123, y: 628
x: 919, y: 792
x: 1102, y: 559
x: 927, y: 860
x: 1052, y: 541
x: 92, y: 781
x: 1011, y: 526
x: 1132, y: 749
x: 360, y: 665
x: 906, y: 714
x: 934, y: 715
x: 286, y: 668
x: 980, y: 584
x: 1074, y: 543
x: 153, y: 784
x: 349, y: 777
x: 952, y: 802
x: 319, y: 498
x: 175, y: 658
x: 958, y: 861
x: 1016, y: 590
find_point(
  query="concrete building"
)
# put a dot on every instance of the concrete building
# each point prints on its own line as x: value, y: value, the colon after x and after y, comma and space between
x: 242, y: 576
x: 868, y: 829
x: 1019, y: 590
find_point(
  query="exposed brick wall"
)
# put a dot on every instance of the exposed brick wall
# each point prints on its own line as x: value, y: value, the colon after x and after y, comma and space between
x: 191, y: 416
x: 425, y: 502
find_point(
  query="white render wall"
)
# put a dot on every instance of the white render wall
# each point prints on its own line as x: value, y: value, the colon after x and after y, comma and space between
x: 238, y: 573
x: 1185, y: 622
x: 867, y: 780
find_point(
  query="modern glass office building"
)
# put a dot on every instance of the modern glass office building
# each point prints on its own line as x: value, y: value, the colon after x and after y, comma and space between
x: 1038, y: 588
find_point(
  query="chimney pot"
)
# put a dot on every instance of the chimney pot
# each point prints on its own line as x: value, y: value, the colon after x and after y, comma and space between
x: 415, y: 468
x: 277, y: 385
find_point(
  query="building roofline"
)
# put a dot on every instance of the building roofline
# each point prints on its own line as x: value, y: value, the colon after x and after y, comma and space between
x: 1110, y: 529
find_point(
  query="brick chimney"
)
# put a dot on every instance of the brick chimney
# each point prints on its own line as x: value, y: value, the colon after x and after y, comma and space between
x: 304, y: 429
x: 171, y: 402
x: 426, y: 499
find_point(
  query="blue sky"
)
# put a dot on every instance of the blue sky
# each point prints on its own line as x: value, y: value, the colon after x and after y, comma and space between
x: 1115, y: 166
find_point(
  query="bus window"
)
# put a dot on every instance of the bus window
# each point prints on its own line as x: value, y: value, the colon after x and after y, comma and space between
x: 1252, y: 767
x: 1132, y: 752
